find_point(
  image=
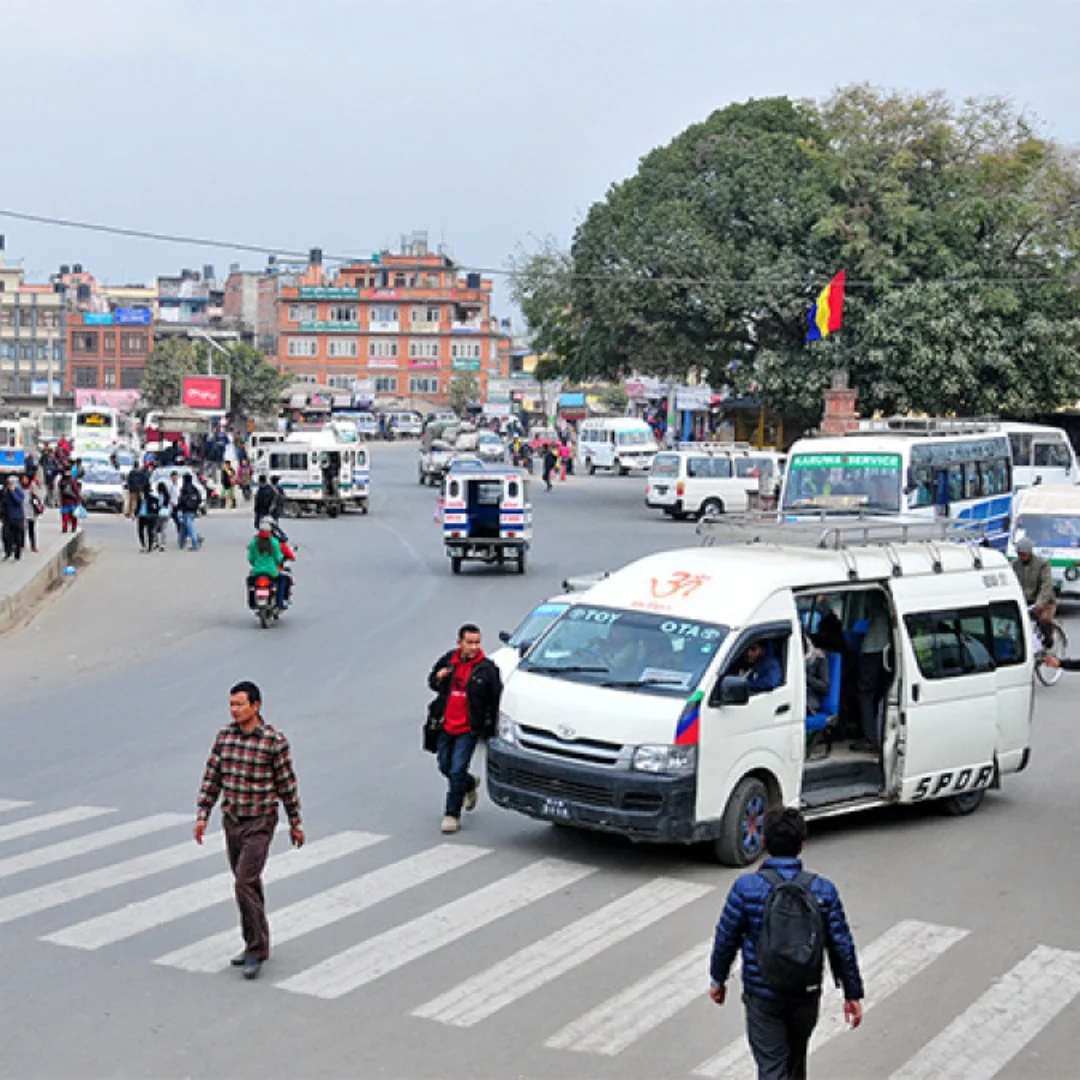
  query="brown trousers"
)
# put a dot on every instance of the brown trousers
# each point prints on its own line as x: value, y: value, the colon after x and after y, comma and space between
x: 247, y: 841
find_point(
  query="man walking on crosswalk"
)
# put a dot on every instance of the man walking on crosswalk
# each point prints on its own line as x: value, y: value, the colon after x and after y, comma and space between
x: 251, y: 768
x: 785, y: 920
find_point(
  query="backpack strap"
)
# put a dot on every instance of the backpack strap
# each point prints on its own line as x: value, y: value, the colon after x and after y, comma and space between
x: 771, y: 876
x: 804, y: 878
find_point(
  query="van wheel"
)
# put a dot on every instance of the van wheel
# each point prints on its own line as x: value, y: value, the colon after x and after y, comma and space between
x: 742, y: 828
x: 711, y: 508
x: 962, y: 805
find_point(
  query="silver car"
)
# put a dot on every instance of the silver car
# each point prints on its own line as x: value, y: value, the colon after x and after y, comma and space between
x: 103, y: 488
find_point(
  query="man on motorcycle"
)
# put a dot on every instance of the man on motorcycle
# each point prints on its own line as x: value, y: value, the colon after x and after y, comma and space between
x: 1033, y: 572
x: 267, y: 553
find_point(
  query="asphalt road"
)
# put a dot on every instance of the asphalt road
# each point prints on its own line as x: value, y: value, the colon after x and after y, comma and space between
x: 399, y: 954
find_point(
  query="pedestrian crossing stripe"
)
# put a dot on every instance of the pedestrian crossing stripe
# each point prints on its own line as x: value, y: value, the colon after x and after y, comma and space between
x: 12, y: 804
x: 976, y: 1045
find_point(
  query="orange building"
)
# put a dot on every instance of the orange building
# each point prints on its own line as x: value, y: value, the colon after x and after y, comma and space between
x: 108, y: 351
x: 406, y: 323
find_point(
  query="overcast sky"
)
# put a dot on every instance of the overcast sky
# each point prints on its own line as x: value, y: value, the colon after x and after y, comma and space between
x: 346, y: 123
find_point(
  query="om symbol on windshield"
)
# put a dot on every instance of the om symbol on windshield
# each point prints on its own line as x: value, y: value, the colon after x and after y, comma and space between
x: 681, y: 583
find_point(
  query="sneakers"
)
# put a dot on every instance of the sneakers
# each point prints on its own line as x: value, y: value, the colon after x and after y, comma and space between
x: 450, y: 824
x: 473, y: 797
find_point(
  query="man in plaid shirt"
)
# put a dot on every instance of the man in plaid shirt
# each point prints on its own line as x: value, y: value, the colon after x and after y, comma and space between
x: 251, y: 769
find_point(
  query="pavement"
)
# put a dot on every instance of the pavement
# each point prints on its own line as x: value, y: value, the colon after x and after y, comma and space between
x: 25, y: 583
x: 513, y: 949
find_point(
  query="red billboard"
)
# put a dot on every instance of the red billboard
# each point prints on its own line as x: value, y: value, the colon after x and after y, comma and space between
x: 205, y: 392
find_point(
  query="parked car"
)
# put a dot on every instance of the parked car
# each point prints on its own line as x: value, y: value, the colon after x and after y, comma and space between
x: 103, y: 487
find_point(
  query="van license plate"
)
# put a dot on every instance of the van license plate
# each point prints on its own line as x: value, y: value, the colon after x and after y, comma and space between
x: 557, y: 808
x: 661, y: 490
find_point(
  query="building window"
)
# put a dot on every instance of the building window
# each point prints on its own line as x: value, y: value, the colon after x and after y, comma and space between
x: 134, y: 344
x: 85, y: 343
x: 26, y: 352
x: 399, y: 281
x: 382, y: 348
x: 131, y: 378
x: 303, y: 312
x: 423, y: 350
x: 303, y: 346
x: 420, y: 384
x: 385, y: 384
x: 86, y: 378
x: 465, y: 350
x: 109, y: 344
x: 110, y: 378
x: 343, y: 313
x: 304, y: 377
x: 433, y: 281
x: 343, y: 347
x: 425, y: 316
x: 382, y: 314
x: 340, y: 382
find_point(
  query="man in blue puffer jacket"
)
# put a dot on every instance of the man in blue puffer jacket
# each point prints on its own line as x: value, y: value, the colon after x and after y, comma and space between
x: 778, y: 1028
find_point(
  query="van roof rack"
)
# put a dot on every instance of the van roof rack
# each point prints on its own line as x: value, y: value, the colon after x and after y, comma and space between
x: 925, y: 425
x: 708, y: 447
x: 826, y: 535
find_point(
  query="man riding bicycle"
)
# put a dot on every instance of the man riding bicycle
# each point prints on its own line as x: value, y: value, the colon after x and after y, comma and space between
x: 1033, y: 572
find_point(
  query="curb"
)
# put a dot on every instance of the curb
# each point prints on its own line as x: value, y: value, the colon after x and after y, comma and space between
x: 17, y: 606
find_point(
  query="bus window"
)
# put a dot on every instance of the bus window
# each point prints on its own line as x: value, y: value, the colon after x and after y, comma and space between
x: 1020, y: 444
x: 1051, y: 455
x: 297, y: 462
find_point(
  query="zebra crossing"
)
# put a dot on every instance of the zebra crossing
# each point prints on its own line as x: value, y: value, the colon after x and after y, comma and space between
x: 989, y: 1031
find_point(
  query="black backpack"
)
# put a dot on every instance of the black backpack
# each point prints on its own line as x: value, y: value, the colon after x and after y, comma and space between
x: 791, y: 944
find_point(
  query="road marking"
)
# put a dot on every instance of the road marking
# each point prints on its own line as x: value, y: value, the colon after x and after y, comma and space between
x: 887, y: 963
x: 108, y: 877
x: 12, y: 804
x: 379, y: 955
x: 981, y: 1041
x: 487, y: 992
x: 144, y: 915
x: 53, y: 820
x: 623, y: 1019
x: 211, y: 954
x: 82, y: 845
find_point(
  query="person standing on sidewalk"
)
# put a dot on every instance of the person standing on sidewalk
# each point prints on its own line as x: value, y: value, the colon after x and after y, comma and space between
x: 70, y: 492
x: 467, y: 692
x: 34, y: 506
x: 250, y: 766
x: 785, y: 921
x: 13, y: 513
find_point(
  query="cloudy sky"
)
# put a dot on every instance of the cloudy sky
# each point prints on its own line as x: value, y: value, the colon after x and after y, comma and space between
x: 489, y: 123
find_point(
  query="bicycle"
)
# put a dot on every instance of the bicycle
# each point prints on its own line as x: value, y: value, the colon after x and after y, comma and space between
x: 1057, y: 648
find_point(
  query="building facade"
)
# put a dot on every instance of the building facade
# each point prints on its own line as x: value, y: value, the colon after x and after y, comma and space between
x: 108, y: 350
x: 31, y: 334
x: 401, y: 325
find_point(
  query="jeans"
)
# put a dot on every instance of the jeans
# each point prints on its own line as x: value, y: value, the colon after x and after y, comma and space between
x: 454, y: 755
x: 779, y: 1033
x: 187, y: 530
x: 247, y: 841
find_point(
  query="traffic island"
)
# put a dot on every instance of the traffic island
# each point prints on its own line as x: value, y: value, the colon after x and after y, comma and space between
x: 24, y: 584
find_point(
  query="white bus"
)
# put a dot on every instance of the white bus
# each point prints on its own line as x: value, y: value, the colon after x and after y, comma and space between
x: 902, y: 466
x: 616, y: 443
x: 1041, y: 455
x: 99, y: 427
x: 55, y: 426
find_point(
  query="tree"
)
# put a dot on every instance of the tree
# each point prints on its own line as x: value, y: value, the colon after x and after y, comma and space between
x: 548, y: 369
x: 957, y: 227
x: 541, y: 284
x: 256, y: 383
x: 169, y: 361
x: 464, y: 392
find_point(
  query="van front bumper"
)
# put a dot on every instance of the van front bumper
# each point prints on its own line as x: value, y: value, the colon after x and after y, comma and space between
x: 641, y: 806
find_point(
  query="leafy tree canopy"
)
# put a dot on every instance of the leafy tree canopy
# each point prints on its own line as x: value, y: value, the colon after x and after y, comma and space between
x: 957, y: 225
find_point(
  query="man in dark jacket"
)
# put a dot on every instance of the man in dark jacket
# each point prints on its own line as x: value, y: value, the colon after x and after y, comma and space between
x: 468, y: 689
x: 778, y: 1027
x: 138, y: 484
x: 13, y: 515
x: 265, y: 500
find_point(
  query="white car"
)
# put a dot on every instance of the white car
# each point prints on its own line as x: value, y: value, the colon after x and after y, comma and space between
x: 405, y: 424
x: 490, y: 447
x: 103, y: 487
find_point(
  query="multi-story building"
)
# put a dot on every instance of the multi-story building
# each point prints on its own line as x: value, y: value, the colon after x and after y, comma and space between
x: 31, y: 334
x: 407, y: 323
x: 108, y: 350
x: 183, y: 298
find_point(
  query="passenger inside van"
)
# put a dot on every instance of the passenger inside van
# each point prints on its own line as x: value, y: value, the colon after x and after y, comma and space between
x: 760, y: 667
x: 817, y: 676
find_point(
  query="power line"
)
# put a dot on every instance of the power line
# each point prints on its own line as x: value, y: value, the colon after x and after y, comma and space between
x: 792, y: 284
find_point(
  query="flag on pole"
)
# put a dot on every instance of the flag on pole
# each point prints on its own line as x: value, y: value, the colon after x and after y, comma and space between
x: 828, y: 313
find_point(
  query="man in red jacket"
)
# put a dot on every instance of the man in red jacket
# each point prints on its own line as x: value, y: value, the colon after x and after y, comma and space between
x: 468, y: 689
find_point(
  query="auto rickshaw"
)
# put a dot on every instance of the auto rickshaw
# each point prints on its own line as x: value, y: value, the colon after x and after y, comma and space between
x: 486, y: 515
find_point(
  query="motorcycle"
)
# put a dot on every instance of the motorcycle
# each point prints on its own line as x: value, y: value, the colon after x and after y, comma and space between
x: 263, y: 595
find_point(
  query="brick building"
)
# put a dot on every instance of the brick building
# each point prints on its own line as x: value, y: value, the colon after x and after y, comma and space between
x: 108, y: 350
x: 407, y: 323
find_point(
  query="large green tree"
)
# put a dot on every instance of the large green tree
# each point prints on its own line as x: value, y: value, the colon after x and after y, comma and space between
x: 957, y: 226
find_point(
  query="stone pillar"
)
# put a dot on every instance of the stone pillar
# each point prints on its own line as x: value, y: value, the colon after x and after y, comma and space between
x: 840, y: 414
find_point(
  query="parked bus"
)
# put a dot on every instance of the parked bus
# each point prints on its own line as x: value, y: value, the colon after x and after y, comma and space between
x: 101, y: 428
x: 54, y: 426
x: 1041, y: 455
x: 18, y: 440
x: 903, y: 466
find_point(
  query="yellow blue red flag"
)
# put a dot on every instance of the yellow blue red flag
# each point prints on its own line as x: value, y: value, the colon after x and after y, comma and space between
x: 828, y: 313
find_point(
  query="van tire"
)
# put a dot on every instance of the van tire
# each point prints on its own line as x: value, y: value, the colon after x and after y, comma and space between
x: 962, y: 805
x: 711, y: 508
x: 742, y: 828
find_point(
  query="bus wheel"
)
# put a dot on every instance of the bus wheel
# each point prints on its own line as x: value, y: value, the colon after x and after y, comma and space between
x: 962, y: 805
x: 742, y: 828
x: 332, y: 511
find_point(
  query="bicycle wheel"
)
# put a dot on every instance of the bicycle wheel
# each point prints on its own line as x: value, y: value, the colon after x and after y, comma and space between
x: 1059, y: 646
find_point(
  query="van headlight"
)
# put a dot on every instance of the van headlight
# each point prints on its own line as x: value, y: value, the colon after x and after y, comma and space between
x: 507, y: 729
x: 665, y: 759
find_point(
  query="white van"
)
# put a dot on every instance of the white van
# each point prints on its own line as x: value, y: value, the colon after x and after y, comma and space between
x: 635, y: 714
x: 616, y: 443
x: 711, y: 478
x: 1050, y: 518
x: 1040, y: 455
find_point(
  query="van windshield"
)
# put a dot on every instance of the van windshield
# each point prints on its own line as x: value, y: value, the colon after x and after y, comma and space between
x: 1049, y: 530
x: 627, y: 650
x: 632, y: 438
x: 665, y: 465
x: 841, y: 482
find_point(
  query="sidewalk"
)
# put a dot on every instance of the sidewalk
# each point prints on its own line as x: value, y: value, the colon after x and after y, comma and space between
x: 23, y: 584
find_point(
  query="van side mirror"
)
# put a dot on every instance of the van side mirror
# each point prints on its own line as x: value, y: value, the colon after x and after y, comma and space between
x: 504, y: 636
x: 730, y: 690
